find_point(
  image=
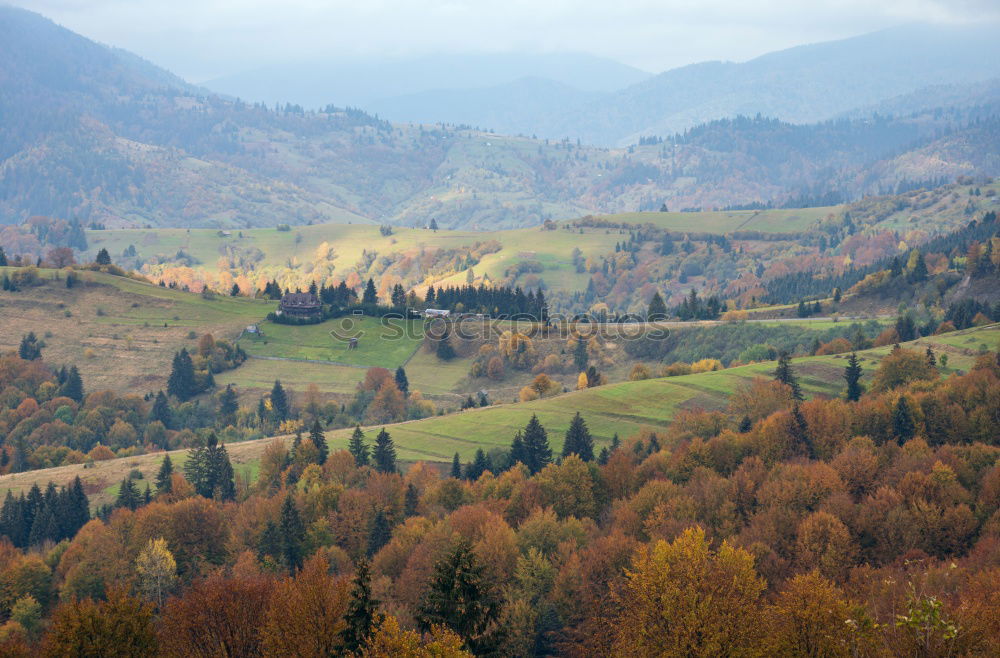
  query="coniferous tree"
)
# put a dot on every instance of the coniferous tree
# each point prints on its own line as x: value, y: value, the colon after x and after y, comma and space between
x: 461, y: 599
x: 128, y: 495
x: 29, y: 349
x: 181, y: 383
x: 381, y: 533
x: 73, y: 386
x: 103, y: 257
x: 852, y: 373
x: 362, y: 618
x: 580, y: 356
x: 210, y: 472
x: 279, y: 402
x: 411, y: 500
x: 164, y: 484
x: 657, y: 308
x: 161, y: 410
x: 518, y: 451
x: 456, y: 467
x: 402, y: 383
x: 603, y: 457
x: 536, y: 445
x: 800, y: 431
x: 384, y: 453
x: 356, y: 446
x: 370, y: 295
x: 578, y: 441
x: 229, y: 405
x: 745, y: 425
x: 3, y: 258
x: 319, y: 440
x: 784, y: 374
x: 293, y: 533
x: 479, y: 465
x: 904, y: 427
x: 931, y: 357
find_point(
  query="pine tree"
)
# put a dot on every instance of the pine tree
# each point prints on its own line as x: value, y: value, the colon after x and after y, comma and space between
x: 370, y: 295
x: 128, y: 495
x: 580, y: 357
x: 181, y: 383
x: 161, y: 410
x: 461, y: 599
x: 279, y: 402
x: 852, y: 373
x: 229, y: 405
x: 380, y: 534
x: 356, y: 446
x: 931, y: 358
x: 904, y: 427
x: 411, y: 500
x: 293, y: 534
x: 363, y: 617
x: 800, y: 431
x: 29, y: 349
x: 402, y: 383
x: 164, y: 484
x: 319, y: 440
x: 103, y: 257
x: 385, y: 453
x: 73, y: 386
x: 784, y: 374
x: 480, y: 464
x: 3, y: 258
x: 456, y: 467
x: 518, y: 451
x: 578, y: 441
x: 745, y: 425
x: 536, y: 445
x: 657, y: 308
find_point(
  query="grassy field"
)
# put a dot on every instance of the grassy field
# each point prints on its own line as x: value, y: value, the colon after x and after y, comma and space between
x: 775, y: 220
x: 622, y: 408
x: 384, y: 343
x: 121, y: 333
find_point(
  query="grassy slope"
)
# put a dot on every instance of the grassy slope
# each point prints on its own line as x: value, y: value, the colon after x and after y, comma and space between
x: 622, y: 408
x: 121, y: 333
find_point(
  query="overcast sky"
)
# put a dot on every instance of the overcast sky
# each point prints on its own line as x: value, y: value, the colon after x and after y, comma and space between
x: 203, y: 39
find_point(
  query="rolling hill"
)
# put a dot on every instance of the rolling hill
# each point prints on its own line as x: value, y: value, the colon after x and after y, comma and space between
x: 624, y: 409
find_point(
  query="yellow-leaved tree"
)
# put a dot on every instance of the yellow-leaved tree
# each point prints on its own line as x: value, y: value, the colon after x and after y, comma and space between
x: 156, y: 570
x: 685, y: 599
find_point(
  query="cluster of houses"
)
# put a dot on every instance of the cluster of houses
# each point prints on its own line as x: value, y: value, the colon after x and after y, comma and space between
x: 306, y: 305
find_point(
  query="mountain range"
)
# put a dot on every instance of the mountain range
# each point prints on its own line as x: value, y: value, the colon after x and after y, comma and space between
x: 97, y: 134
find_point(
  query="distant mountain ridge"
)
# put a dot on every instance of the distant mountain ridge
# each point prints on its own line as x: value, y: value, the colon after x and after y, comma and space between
x: 804, y: 84
x: 96, y: 134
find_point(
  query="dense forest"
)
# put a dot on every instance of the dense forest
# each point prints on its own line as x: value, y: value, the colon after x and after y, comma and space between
x: 776, y: 527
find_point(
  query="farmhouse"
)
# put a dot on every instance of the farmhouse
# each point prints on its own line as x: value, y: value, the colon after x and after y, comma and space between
x: 436, y: 313
x: 300, y: 305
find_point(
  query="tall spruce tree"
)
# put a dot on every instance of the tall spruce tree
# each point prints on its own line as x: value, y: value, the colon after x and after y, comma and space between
x: 161, y: 410
x: 103, y: 257
x: 370, y: 295
x: 293, y: 533
x: 29, y: 349
x: 460, y: 598
x: 279, y: 402
x: 657, y: 308
x: 384, y: 453
x: 852, y: 374
x: 536, y: 445
x: 73, y: 386
x: 456, y: 467
x: 229, y: 405
x: 164, y: 482
x: 580, y: 357
x: 784, y: 374
x: 578, y: 441
x: 181, y: 383
x: 402, y: 383
x: 904, y: 427
x: 380, y: 534
x: 357, y: 447
x: 319, y: 440
x: 363, y: 617
x: 128, y: 495
x: 518, y: 451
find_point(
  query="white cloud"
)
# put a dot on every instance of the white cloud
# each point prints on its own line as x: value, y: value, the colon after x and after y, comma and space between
x: 203, y: 38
